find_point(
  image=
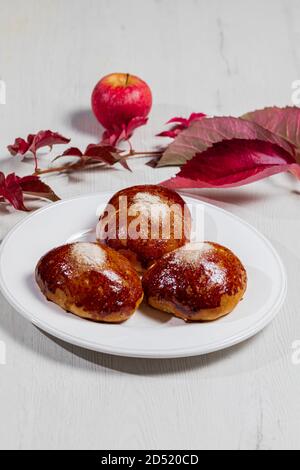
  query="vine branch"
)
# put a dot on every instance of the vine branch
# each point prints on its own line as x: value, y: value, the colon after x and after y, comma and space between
x: 81, y: 164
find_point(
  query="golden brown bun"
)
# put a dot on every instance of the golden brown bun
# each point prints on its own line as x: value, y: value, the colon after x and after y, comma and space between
x: 152, y: 244
x: 200, y: 282
x: 90, y: 280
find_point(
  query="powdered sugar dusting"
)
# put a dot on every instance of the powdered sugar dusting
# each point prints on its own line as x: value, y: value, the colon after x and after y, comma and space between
x: 191, y: 253
x: 216, y: 274
x: 89, y: 254
x: 112, y: 276
x: 146, y: 199
x: 150, y: 204
x: 115, y: 279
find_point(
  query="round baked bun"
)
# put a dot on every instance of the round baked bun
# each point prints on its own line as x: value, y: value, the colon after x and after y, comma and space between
x: 200, y: 282
x: 144, y: 223
x: 90, y: 281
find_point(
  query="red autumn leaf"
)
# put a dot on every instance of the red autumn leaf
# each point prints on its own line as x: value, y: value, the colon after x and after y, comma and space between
x: 71, y: 152
x: 284, y: 122
x: 208, y: 131
x: 13, y: 188
x: 181, y: 125
x: 11, y: 191
x: 34, y: 186
x: 21, y: 146
x: 35, y: 142
x: 125, y: 132
x: 234, y: 163
x: 105, y: 154
x: 134, y: 124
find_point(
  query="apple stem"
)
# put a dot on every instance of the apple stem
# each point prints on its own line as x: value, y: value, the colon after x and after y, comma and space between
x: 127, y: 79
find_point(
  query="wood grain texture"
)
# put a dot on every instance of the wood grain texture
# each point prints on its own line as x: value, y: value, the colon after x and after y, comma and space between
x: 211, y: 56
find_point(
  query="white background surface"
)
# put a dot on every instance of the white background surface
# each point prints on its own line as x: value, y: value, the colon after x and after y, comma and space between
x: 212, y: 56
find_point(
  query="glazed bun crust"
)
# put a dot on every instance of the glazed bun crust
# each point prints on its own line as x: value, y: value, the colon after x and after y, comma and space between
x: 90, y: 281
x: 146, y: 249
x: 200, y: 282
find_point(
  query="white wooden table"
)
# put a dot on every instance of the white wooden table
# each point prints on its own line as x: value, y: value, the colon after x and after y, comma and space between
x: 207, y: 55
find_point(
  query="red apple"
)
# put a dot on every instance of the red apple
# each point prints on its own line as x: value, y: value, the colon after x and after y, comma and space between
x: 120, y: 97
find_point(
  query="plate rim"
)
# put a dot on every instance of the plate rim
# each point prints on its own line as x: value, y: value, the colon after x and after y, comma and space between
x: 170, y: 353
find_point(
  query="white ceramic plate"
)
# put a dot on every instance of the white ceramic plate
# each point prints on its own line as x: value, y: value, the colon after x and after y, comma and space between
x: 149, y: 333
